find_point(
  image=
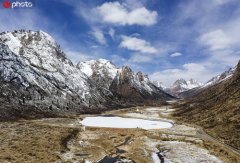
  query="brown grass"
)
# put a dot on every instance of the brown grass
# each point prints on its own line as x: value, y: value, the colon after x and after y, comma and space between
x: 25, y: 142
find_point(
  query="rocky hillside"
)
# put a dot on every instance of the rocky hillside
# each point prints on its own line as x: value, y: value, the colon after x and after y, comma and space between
x: 217, y: 79
x: 216, y: 109
x: 101, y: 71
x: 35, y: 73
x: 136, y: 87
x: 34, y: 62
x: 125, y: 84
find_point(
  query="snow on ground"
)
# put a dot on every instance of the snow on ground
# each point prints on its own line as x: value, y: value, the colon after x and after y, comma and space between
x: 152, y: 146
x: 155, y: 158
x: 180, y: 130
x: 162, y: 109
x: 152, y: 114
x: 143, y: 116
x: 187, y: 153
x: 176, y: 151
x: 153, y: 109
x: 119, y: 122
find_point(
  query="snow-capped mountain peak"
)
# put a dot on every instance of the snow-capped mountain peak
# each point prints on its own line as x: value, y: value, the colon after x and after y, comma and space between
x: 192, y: 83
x: 184, y: 85
x: 100, y: 66
x: 37, y: 48
x: 137, y: 86
x: 159, y: 84
x: 181, y: 85
x: 37, y: 62
x: 225, y: 75
x: 179, y: 82
x: 102, y: 71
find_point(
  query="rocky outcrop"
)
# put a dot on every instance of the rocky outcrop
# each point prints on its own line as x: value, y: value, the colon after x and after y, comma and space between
x: 136, y: 87
x: 101, y: 71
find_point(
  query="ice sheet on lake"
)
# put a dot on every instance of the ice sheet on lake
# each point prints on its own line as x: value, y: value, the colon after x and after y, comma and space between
x: 119, y: 122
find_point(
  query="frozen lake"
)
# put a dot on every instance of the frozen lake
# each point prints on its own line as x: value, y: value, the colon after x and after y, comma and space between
x: 119, y: 122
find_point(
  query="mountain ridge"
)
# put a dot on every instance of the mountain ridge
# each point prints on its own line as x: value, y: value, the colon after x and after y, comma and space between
x: 215, y: 80
x: 108, y: 76
x: 179, y: 86
x: 216, y: 109
x: 35, y: 66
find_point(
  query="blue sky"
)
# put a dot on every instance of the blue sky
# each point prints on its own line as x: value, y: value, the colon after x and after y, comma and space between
x: 165, y: 39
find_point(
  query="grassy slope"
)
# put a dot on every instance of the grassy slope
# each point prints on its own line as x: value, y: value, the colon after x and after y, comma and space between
x: 217, y: 110
x: 26, y: 142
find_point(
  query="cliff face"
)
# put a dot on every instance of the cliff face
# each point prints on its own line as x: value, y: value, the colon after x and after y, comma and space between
x: 101, y: 71
x: 34, y: 64
x: 136, y: 87
x: 122, y: 83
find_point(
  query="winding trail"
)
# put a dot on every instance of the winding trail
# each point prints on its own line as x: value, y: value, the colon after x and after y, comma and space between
x: 204, y: 136
x: 200, y: 133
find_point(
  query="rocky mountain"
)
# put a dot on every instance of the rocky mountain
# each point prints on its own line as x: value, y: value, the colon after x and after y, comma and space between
x: 215, y: 80
x: 182, y: 85
x: 216, y: 108
x: 122, y: 82
x: 101, y: 71
x: 136, y: 87
x: 159, y: 85
x: 35, y: 74
x: 225, y: 75
x: 34, y: 63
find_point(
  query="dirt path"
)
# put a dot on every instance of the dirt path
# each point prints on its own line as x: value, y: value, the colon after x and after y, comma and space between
x: 204, y: 136
x: 200, y: 133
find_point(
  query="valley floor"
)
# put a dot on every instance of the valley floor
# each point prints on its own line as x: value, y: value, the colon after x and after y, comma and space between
x: 66, y: 140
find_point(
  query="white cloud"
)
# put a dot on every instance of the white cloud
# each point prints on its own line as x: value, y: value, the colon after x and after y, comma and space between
x: 99, y: 36
x: 216, y: 40
x: 136, y: 44
x: 176, y: 54
x: 120, y: 14
x: 141, y: 58
x: 196, y: 71
x: 111, y: 32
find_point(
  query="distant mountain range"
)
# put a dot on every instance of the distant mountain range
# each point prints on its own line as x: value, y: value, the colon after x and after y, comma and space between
x: 179, y: 86
x: 215, y: 80
x: 183, y: 89
x: 122, y: 82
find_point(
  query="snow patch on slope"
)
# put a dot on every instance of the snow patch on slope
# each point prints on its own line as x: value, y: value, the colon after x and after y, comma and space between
x: 101, y: 66
x: 37, y: 60
x: 219, y: 78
